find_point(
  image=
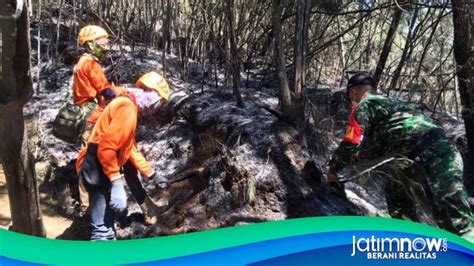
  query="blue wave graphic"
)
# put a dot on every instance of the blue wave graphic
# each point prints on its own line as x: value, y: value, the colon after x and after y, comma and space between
x: 332, y: 248
x: 335, y: 256
x: 4, y: 261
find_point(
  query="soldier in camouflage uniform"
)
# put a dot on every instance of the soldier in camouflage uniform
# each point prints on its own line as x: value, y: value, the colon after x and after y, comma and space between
x: 380, y: 126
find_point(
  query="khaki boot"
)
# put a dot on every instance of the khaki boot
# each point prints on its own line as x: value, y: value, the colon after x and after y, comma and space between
x: 151, y: 209
x: 83, y: 199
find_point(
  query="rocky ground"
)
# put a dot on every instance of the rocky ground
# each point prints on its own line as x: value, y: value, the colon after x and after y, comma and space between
x: 256, y: 167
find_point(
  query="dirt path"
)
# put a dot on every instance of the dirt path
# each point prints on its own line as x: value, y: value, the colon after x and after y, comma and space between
x: 55, y: 224
x: 4, y: 204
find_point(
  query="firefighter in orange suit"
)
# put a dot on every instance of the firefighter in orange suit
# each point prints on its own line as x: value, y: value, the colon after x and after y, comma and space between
x: 112, y: 147
x: 91, y: 90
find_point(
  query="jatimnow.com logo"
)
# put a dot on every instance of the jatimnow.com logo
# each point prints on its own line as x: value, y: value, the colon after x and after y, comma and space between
x: 385, y: 248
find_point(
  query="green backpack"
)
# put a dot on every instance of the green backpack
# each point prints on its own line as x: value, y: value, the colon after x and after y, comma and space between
x: 70, y: 121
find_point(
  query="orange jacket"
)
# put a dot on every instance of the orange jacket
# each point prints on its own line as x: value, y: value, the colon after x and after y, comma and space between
x: 89, y: 80
x: 114, y: 133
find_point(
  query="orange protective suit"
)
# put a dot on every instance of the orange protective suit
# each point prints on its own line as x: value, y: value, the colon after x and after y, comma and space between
x: 89, y: 82
x: 114, y: 133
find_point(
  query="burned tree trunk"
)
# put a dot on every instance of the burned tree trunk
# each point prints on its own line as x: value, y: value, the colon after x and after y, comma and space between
x: 387, y: 46
x: 299, y: 49
x: 300, y: 45
x: 234, y: 53
x: 15, y: 91
x: 464, y: 54
x: 406, y: 51
x: 284, y: 88
x: 165, y: 39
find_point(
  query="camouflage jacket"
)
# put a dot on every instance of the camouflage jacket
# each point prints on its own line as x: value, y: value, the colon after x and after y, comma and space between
x: 388, y: 126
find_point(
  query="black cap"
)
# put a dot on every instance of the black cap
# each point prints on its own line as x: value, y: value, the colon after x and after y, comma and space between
x: 360, y: 78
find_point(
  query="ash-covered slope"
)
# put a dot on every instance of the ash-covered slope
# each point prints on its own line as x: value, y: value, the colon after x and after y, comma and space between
x: 255, y: 167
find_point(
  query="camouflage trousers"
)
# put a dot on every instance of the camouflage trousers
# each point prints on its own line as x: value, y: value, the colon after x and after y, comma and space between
x: 441, y: 165
x: 88, y: 108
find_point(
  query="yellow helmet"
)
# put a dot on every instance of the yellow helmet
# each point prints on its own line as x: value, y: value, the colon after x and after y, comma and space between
x: 156, y: 82
x: 91, y: 33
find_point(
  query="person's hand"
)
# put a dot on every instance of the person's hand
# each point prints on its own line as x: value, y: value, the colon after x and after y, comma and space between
x: 159, y: 180
x: 118, y: 197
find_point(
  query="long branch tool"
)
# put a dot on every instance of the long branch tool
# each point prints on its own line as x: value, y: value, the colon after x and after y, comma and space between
x: 394, y: 162
x: 181, y: 176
